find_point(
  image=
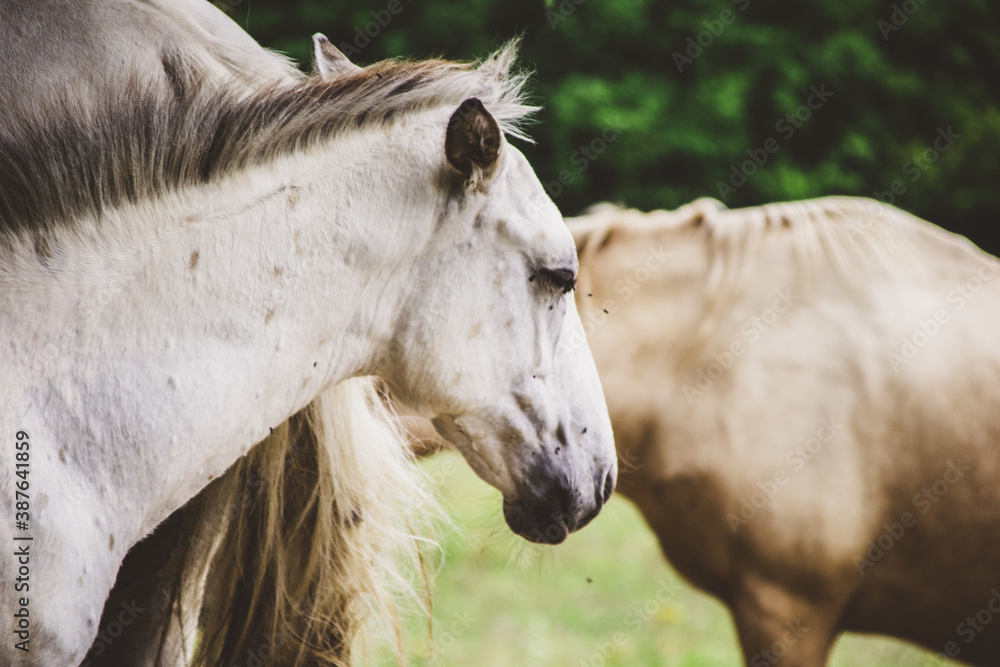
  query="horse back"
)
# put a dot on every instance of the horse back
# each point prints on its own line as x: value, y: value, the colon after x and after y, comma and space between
x: 88, y: 49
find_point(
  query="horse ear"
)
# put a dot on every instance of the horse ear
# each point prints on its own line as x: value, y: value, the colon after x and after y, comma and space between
x: 473, y: 140
x: 329, y: 61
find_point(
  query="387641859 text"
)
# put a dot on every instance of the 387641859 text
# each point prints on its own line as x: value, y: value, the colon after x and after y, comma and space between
x: 22, y: 541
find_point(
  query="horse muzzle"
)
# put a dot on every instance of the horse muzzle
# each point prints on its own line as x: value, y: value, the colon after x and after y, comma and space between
x: 552, y: 511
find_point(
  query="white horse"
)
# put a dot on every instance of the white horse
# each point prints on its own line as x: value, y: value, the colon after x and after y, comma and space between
x: 183, y: 268
x: 100, y: 45
x: 805, y: 401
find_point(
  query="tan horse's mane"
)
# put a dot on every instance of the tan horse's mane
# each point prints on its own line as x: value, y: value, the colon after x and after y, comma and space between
x: 829, y: 230
x: 63, y: 160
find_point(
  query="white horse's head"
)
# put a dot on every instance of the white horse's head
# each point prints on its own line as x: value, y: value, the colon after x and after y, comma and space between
x: 483, y: 346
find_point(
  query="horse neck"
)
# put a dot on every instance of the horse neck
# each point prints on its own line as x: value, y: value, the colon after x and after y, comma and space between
x: 625, y: 284
x: 176, y: 344
x: 667, y: 290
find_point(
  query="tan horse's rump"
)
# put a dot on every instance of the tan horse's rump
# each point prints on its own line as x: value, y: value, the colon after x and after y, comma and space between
x: 805, y: 402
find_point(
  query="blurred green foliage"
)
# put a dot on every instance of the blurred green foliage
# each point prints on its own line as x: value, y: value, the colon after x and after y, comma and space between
x: 698, y: 87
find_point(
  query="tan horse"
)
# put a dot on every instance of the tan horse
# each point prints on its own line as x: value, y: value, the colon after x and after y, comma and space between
x: 805, y: 403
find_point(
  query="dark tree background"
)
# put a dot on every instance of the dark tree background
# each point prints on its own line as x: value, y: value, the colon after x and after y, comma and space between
x: 653, y: 104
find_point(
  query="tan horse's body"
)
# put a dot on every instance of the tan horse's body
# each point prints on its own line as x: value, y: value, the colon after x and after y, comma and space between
x: 805, y: 402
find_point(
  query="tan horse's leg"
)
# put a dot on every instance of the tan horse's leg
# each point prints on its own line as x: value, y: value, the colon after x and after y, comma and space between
x: 779, y: 627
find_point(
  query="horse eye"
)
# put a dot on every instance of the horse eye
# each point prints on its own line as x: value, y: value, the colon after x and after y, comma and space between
x: 562, y: 279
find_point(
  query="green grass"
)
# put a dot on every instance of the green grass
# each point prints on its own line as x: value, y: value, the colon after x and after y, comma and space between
x: 606, y: 598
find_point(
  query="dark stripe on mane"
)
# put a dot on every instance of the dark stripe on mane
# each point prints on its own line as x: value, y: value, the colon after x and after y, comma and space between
x: 175, y: 71
x: 60, y: 161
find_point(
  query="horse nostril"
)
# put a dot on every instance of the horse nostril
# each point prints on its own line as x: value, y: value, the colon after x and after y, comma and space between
x: 565, y: 499
x: 561, y: 435
x: 603, y: 489
x: 609, y: 485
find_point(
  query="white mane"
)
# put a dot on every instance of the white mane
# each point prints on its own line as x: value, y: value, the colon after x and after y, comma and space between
x: 76, y: 161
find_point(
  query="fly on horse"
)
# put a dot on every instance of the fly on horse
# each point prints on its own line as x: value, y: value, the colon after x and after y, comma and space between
x: 195, y: 259
x: 805, y: 401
